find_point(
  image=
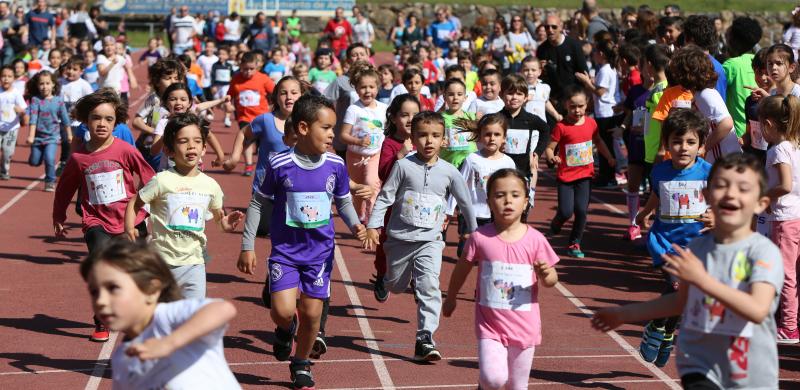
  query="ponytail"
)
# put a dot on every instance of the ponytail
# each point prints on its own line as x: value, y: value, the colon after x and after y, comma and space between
x: 784, y: 113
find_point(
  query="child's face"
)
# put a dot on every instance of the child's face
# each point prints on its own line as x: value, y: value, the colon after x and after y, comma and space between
x: 223, y: 56
x: 514, y: 100
x: 466, y: 64
x: 277, y: 56
x: 531, y: 70
x: 152, y: 44
x: 762, y: 78
x: 507, y: 199
x: 178, y: 101
x: 683, y: 149
x: 288, y: 95
x: 316, y: 137
x: 367, y: 90
x: 210, y: 48
x: 73, y: 72
x: 454, y: 96
x: 19, y: 69
x: 576, y: 106
x: 671, y: 34
x: 456, y: 75
x: 323, y: 62
x: 46, y: 45
x: 493, y: 137
x: 402, y: 121
x: 414, y: 85
x: 110, y: 49
x: 491, y: 87
x: 188, y: 148
x: 46, y: 86
x: 387, y: 77
x: 117, y: 300
x: 301, y: 73
x: 248, y: 69
x: 55, y: 59
x: 427, y: 139
x: 6, y: 78
x: 101, y: 122
x: 734, y: 198
x: 120, y: 47
x: 165, y: 81
x: 83, y: 46
x: 423, y: 53
x: 779, y: 67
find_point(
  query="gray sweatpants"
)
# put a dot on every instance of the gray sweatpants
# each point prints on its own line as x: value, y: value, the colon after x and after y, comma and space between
x: 191, y: 279
x: 8, y: 142
x: 423, y: 262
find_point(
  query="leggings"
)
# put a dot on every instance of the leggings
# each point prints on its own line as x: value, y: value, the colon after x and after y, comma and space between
x: 697, y: 381
x: 503, y: 367
x: 573, y: 197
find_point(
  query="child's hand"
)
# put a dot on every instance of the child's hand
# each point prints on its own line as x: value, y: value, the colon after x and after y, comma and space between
x: 757, y: 93
x: 366, y: 141
x: 707, y: 219
x: 30, y: 139
x: 643, y: 220
x: 218, y: 162
x: 583, y: 77
x: 155, y: 348
x: 449, y: 305
x: 612, y: 162
x: 556, y: 160
x: 446, y: 222
x: 247, y: 262
x: 19, y: 110
x: 232, y: 220
x: 684, y: 265
x: 559, y: 117
x: 363, y: 191
x: 360, y: 232
x: 226, y: 99
x: 541, y: 267
x: 131, y: 233
x: 464, y: 237
x: 607, y: 319
x: 59, y: 230
x: 371, y: 239
x: 69, y: 136
x: 228, y: 165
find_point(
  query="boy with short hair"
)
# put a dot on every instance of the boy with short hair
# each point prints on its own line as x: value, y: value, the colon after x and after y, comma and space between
x: 489, y: 102
x: 72, y: 90
x: 743, y: 35
x: 221, y: 75
x: 538, y: 91
x: 727, y: 294
x: 456, y: 72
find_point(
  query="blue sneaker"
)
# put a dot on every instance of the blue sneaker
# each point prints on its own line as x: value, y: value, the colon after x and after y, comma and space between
x: 665, y: 350
x: 652, y: 338
x: 574, y: 250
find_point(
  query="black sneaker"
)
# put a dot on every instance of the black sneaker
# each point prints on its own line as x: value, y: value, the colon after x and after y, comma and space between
x: 282, y: 346
x: 300, y: 372
x: 379, y: 289
x: 425, y: 351
x: 320, y: 347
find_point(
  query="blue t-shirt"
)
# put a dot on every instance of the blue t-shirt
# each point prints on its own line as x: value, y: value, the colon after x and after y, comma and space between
x: 302, y: 222
x: 680, y: 200
x: 275, y: 71
x: 39, y: 24
x: 722, y: 79
x: 438, y: 31
x: 194, y: 87
x: 270, y: 143
x: 121, y: 131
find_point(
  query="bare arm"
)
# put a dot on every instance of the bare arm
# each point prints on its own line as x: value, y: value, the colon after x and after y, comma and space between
x: 721, y: 130
x: 140, y: 124
x: 227, y: 222
x: 134, y: 205
x: 603, y: 149
x: 238, y: 145
x: 550, y: 155
x: 349, y: 139
x: 669, y: 305
x: 213, y: 141
x: 457, y: 279
x: 785, y: 183
x: 552, y: 111
x: 643, y: 217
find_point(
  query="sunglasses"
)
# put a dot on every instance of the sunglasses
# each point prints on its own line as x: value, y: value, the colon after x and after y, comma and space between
x: 551, y: 27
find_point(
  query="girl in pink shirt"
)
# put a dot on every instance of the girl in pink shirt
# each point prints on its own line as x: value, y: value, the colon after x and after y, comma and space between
x: 513, y: 258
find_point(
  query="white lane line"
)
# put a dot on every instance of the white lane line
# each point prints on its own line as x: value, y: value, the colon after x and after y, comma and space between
x: 363, y: 323
x: 661, y: 375
x: 22, y: 193
x: 103, y: 362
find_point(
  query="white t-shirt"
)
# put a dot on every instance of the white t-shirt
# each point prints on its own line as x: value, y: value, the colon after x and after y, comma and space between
x: 400, y: 89
x: 476, y: 171
x: 538, y: 95
x: 792, y: 38
x: 205, y: 62
x: 362, y: 32
x: 481, y: 107
x: 198, y: 365
x: 72, y: 91
x: 711, y: 105
x: 183, y: 27
x: 522, y: 40
x: 787, y: 207
x: 9, y: 119
x: 232, y: 32
x: 471, y: 96
x: 114, y: 76
x: 366, y: 122
x: 604, y: 105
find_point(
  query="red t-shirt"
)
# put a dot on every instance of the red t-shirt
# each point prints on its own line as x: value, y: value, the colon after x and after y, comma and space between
x: 340, y: 33
x: 106, y: 181
x: 426, y: 104
x: 430, y: 72
x: 249, y: 96
x: 575, y: 149
x: 634, y: 78
x: 389, y: 151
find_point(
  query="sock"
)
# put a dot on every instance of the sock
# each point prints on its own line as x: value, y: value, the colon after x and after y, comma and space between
x: 531, y: 196
x: 633, y: 206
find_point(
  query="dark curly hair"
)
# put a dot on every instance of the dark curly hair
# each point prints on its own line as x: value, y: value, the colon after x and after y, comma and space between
x: 32, y: 86
x: 86, y: 104
x: 692, y: 69
x: 165, y: 67
x: 700, y: 30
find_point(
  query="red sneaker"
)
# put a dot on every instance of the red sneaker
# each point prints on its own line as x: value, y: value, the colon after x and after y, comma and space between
x: 633, y: 233
x: 249, y: 170
x: 786, y: 336
x: 100, y: 334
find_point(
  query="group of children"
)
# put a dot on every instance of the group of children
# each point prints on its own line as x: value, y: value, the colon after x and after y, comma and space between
x: 413, y: 160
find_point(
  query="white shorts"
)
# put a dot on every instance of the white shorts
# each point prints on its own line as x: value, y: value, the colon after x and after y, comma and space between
x: 222, y: 90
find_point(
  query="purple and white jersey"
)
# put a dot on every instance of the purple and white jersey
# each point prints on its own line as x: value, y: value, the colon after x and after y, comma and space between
x: 301, y: 228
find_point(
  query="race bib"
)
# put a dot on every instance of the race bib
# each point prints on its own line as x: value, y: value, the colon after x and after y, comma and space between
x: 275, y: 76
x: 106, y: 187
x: 187, y: 211
x: 422, y: 210
x: 321, y: 86
x: 506, y: 286
x: 638, y: 117
x: 579, y: 154
x: 249, y: 98
x: 443, y: 35
x: 682, y: 201
x: 517, y: 141
x: 682, y: 104
x: 757, y: 140
x: 223, y: 75
x: 7, y: 114
x: 308, y: 210
x: 456, y: 139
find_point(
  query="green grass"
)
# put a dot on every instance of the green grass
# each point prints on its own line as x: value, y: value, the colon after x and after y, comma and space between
x: 695, y: 5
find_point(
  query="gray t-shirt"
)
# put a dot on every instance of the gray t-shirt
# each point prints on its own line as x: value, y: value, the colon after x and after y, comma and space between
x: 716, y: 342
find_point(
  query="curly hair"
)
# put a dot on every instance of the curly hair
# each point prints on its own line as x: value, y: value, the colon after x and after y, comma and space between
x: 85, y: 105
x: 700, y: 30
x: 165, y: 67
x: 692, y: 69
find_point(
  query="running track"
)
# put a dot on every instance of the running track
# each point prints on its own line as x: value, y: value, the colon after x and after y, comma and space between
x: 45, y: 316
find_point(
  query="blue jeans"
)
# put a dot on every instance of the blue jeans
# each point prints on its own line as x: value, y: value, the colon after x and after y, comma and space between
x: 46, y: 153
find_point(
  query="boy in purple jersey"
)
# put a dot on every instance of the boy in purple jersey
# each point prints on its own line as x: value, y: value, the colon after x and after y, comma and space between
x: 301, y: 183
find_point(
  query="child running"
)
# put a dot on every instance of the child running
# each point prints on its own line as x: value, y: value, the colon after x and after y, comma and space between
x: 574, y: 137
x: 48, y: 121
x: 179, y: 199
x: 169, y: 342
x: 104, y: 170
x: 508, y: 251
x: 780, y: 117
x: 677, y: 195
x: 457, y: 144
x: 727, y: 292
x: 416, y: 190
x: 12, y: 115
x: 301, y: 183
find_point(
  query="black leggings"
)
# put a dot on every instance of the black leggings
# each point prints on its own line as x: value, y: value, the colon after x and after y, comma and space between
x: 573, y: 198
x: 697, y: 381
x: 606, y: 173
x: 670, y: 323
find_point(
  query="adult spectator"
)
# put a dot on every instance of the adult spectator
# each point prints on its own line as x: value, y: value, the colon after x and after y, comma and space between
x: 533, y: 21
x: 519, y: 37
x: 363, y: 31
x: 258, y: 34
x: 61, y: 24
x: 183, y: 31
x: 396, y: 33
x: 699, y: 30
x: 99, y: 24
x: 596, y: 22
x: 339, y: 31
x: 80, y: 23
x: 629, y: 18
x: 41, y: 24
x: 453, y: 18
x: 647, y: 23
x: 443, y: 31
x: 10, y: 30
x: 168, y: 25
x: 672, y: 10
x: 412, y: 34
x: 233, y: 29
x: 562, y: 55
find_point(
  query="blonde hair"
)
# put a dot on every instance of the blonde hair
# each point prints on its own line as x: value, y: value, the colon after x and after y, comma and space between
x: 784, y: 113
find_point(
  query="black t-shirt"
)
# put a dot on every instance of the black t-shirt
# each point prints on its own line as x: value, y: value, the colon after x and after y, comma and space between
x: 562, y: 63
x: 527, y: 121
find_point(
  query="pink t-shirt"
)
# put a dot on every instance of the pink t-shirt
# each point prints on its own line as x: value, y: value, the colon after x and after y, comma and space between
x: 507, y: 308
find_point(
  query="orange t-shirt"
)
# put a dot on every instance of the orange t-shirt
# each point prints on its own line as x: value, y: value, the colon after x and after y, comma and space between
x: 197, y: 71
x: 673, y: 97
x: 249, y: 96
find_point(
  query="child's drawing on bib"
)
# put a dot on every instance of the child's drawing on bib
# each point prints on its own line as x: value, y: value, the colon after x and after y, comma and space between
x: 682, y: 200
x: 307, y: 210
x: 456, y: 139
x: 579, y: 154
x: 106, y: 187
x: 310, y: 212
x: 187, y: 211
x: 506, y: 286
x: 191, y: 213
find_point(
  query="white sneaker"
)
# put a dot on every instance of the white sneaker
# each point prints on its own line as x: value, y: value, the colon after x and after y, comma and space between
x: 227, y: 121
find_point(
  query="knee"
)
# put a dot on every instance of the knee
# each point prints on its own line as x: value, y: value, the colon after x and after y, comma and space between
x: 281, y: 314
x: 493, y: 379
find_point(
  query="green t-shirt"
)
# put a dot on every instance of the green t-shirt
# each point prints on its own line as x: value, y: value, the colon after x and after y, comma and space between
x: 739, y: 71
x: 458, y: 144
x: 652, y: 134
x: 293, y: 25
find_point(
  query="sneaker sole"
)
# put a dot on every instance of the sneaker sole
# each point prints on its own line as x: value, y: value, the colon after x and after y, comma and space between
x: 788, y: 341
x: 431, y: 357
x: 378, y: 297
x: 98, y: 340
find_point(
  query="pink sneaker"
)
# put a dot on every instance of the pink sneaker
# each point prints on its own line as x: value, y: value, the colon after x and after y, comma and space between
x: 633, y: 233
x: 786, y: 336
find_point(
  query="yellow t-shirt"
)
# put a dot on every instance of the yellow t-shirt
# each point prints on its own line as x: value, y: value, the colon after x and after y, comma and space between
x: 178, y: 209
